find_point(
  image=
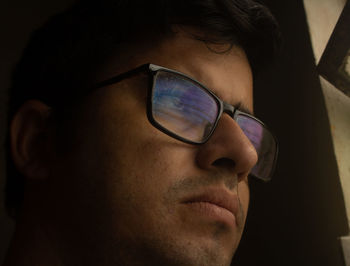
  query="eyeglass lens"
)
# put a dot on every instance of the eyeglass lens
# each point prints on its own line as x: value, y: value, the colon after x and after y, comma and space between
x: 263, y: 142
x: 185, y: 109
x: 182, y: 107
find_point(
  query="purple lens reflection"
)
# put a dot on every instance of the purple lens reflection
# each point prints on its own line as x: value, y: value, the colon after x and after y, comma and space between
x: 182, y: 107
x: 264, y: 143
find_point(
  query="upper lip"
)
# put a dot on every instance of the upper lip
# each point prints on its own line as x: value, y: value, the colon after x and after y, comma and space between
x: 220, y: 197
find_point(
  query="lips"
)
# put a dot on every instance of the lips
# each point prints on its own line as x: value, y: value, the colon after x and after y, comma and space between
x: 216, y: 202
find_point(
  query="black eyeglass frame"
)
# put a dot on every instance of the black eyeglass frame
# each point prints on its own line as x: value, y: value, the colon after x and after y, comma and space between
x: 224, y: 107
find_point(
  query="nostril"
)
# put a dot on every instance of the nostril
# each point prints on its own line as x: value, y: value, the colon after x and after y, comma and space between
x: 228, y: 165
x: 225, y: 163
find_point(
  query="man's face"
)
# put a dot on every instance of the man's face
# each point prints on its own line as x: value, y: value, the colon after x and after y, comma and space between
x: 131, y: 192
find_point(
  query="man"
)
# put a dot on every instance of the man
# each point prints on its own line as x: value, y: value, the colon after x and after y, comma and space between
x: 130, y: 141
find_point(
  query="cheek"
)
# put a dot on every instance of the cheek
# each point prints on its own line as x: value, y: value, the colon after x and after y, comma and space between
x: 243, y: 192
x: 136, y: 183
x: 135, y: 160
x: 124, y: 164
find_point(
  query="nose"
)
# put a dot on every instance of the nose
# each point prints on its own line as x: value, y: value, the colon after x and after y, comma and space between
x: 228, y: 149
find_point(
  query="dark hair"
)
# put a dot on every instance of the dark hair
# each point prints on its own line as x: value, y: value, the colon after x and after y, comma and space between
x: 64, y: 54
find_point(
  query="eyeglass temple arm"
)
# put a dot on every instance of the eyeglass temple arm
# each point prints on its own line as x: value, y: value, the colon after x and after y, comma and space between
x: 120, y: 77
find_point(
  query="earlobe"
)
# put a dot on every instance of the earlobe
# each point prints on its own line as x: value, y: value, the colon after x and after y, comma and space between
x: 30, y: 139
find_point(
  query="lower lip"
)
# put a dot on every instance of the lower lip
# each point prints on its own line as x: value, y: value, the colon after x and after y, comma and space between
x: 213, y: 212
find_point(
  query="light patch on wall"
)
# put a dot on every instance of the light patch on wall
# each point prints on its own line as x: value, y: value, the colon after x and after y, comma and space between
x: 346, y: 249
x: 345, y: 67
x: 334, y: 64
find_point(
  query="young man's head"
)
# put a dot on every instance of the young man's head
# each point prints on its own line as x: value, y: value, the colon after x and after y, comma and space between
x: 130, y: 139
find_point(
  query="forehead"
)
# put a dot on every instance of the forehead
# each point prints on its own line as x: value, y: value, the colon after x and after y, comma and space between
x: 224, y: 71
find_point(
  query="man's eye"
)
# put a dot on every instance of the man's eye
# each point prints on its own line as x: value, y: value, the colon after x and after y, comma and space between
x: 178, y: 103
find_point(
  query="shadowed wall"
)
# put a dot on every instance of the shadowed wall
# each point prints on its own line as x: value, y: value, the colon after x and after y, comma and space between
x: 297, y: 218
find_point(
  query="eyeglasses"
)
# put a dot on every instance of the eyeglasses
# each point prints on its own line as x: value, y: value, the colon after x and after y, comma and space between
x: 186, y: 110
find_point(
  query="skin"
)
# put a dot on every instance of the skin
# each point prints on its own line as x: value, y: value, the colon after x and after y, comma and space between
x: 109, y: 188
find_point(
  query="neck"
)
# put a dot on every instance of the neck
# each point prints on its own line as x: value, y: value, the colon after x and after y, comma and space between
x: 31, y: 245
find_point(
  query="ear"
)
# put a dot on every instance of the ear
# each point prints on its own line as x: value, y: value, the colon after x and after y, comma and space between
x: 31, y: 140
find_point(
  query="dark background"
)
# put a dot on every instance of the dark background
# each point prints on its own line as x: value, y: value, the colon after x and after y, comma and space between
x: 297, y: 218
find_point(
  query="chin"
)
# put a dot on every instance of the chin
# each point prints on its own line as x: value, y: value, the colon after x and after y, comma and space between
x: 198, y: 251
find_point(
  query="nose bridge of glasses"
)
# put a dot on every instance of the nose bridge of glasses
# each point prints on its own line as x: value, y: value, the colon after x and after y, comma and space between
x: 228, y: 109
